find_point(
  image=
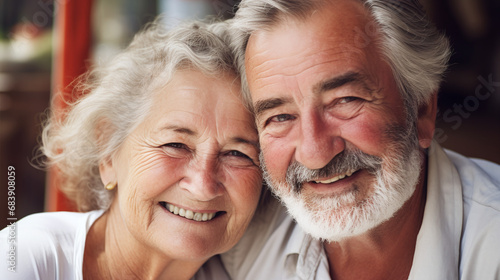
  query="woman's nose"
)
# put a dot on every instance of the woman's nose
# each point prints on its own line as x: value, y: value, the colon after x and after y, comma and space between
x: 202, y: 179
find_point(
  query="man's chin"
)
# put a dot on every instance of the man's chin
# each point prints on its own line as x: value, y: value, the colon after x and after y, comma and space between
x: 326, y: 223
x: 334, y: 219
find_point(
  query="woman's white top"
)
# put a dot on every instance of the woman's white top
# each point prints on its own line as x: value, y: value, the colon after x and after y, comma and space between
x: 51, y: 246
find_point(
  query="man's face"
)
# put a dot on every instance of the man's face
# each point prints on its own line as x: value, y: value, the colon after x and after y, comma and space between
x: 336, y: 144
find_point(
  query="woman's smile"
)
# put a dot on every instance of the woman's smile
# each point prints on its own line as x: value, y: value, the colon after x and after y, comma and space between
x: 198, y: 216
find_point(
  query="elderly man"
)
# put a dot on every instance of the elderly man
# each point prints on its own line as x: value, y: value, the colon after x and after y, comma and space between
x: 344, y: 94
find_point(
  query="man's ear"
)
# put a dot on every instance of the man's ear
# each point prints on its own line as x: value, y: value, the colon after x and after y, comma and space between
x: 426, y: 122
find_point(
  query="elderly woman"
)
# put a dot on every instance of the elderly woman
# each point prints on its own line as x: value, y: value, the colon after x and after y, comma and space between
x: 162, y: 158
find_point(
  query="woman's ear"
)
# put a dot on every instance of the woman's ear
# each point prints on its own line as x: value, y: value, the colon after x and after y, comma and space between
x: 426, y: 122
x: 103, y: 130
x: 107, y: 171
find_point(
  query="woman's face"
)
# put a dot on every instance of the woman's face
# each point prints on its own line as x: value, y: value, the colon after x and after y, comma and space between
x: 195, y: 155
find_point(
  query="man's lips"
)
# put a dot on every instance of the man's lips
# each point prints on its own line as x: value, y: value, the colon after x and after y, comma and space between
x: 335, y: 178
x: 188, y: 214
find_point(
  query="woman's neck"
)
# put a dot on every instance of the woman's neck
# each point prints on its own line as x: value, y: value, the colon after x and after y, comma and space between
x: 111, y: 252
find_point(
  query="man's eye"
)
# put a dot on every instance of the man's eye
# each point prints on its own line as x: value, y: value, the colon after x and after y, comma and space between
x: 348, y: 99
x: 346, y: 107
x: 281, y: 118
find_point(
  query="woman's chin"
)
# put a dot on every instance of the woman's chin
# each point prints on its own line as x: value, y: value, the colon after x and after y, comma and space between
x: 188, y: 239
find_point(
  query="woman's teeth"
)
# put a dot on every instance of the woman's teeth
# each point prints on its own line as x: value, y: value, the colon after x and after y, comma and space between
x: 188, y: 214
x: 336, y: 178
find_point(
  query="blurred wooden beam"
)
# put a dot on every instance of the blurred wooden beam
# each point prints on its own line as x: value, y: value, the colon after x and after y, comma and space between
x: 72, y: 44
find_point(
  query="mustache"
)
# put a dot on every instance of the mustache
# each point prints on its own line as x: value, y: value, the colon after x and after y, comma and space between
x: 351, y: 159
x: 404, y: 139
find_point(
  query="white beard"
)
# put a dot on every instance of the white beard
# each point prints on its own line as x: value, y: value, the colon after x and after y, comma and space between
x: 333, y: 218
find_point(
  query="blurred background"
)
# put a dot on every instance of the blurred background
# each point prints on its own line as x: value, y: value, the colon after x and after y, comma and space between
x: 31, y: 32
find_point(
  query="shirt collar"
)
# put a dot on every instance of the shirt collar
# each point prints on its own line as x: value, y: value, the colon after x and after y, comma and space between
x: 303, y: 254
x: 438, y: 241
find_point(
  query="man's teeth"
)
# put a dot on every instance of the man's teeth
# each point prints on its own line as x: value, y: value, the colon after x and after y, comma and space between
x: 190, y: 215
x: 336, y: 178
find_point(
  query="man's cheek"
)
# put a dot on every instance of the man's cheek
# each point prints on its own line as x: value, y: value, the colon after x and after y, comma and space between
x: 277, y: 159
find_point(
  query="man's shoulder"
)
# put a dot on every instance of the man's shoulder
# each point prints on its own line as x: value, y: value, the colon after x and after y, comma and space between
x: 480, y: 181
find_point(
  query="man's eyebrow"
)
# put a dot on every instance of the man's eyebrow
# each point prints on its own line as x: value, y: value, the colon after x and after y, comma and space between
x: 344, y: 79
x: 263, y: 105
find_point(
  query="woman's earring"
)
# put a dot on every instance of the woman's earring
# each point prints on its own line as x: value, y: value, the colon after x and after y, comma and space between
x: 110, y: 186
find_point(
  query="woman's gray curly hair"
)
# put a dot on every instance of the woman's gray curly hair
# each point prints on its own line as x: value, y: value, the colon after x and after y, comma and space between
x: 117, y: 97
x: 416, y: 51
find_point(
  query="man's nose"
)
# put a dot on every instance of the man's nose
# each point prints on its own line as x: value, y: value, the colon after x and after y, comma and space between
x: 202, y: 179
x: 319, y: 142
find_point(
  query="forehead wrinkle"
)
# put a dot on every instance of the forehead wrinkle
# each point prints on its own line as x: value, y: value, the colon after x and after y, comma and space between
x: 267, y: 64
x: 266, y: 104
x: 232, y: 135
x: 180, y: 122
x: 306, y: 62
x: 347, y: 78
x: 358, y: 14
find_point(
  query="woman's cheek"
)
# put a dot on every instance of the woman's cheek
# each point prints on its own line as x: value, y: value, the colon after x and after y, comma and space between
x: 154, y: 173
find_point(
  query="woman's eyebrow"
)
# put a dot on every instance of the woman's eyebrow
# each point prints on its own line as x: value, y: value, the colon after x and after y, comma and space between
x: 189, y: 132
x: 179, y: 129
x: 242, y: 140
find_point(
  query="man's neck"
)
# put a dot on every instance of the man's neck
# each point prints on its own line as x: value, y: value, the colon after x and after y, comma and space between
x: 385, y: 252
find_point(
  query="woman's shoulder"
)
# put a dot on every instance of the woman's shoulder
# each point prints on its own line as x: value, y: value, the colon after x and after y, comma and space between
x: 43, y: 244
x: 56, y: 221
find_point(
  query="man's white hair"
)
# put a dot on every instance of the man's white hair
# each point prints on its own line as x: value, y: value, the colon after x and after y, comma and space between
x: 416, y: 51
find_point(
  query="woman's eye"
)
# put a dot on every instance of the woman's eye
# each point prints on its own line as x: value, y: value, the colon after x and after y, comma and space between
x: 176, y: 145
x: 176, y: 150
x: 238, y: 158
x: 237, y: 154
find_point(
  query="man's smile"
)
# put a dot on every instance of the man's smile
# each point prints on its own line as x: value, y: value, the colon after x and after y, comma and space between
x: 336, y: 178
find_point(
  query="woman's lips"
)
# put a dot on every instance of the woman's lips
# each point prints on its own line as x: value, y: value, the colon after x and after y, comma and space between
x: 188, y: 214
